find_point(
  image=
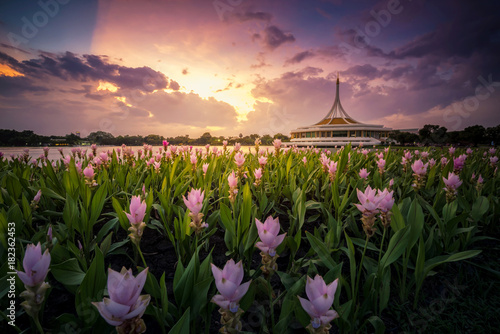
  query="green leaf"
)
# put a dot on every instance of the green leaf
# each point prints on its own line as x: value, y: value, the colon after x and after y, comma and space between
x: 182, y: 326
x: 320, y: 249
x: 68, y: 272
x: 397, y: 246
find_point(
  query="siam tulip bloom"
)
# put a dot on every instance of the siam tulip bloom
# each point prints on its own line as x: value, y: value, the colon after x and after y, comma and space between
x: 89, y: 174
x: 363, y: 173
x: 262, y: 161
x: 157, y: 166
x: 424, y: 155
x: 78, y: 166
x: 268, y: 234
x: 451, y: 150
x: 385, y: 206
x: 381, y: 165
x: 452, y: 183
x: 493, y: 161
x: 239, y: 159
x: 60, y: 149
x: 237, y: 147
x: 432, y: 162
x: 165, y: 144
x: 46, y: 151
x: 419, y: 171
x: 49, y: 234
x: 304, y: 160
x: 458, y: 163
x: 193, y: 159
x: 194, y: 203
x: 417, y: 152
x: 136, y: 217
x: 205, y: 169
x: 125, y: 306
x: 277, y: 144
x: 379, y: 155
x: 419, y: 168
x: 444, y: 161
x: 137, y: 210
x: 104, y: 157
x: 369, y: 202
x: 364, y: 152
x: 391, y: 183
x: 228, y: 282
x: 257, y: 145
x: 408, y: 155
x: 67, y: 160
x: 36, y: 267
x: 386, y: 150
x: 37, y: 197
x: 320, y: 299
x: 232, y: 179
x: 258, y: 175
x: 469, y: 151
x: 332, y: 169
x: 492, y: 151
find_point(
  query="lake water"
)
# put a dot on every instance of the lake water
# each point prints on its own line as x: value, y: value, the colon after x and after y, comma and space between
x: 54, y: 154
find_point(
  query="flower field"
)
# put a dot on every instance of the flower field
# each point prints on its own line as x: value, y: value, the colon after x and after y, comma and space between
x: 282, y: 240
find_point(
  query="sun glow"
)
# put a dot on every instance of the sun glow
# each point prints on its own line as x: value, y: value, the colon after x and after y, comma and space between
x: 103, y: 85
x: 6, y: 71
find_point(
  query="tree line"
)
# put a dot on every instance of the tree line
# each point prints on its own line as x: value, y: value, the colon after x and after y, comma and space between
x: 428, y: 135
x: 29, y: 138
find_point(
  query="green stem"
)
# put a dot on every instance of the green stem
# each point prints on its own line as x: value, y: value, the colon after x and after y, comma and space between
x: 360, y: 269
x: 38, y: 325
x: 142, y: 256
x: 381, y: 245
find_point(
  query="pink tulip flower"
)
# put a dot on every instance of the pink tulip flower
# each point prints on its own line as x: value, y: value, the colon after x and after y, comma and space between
x: 205, y: 168
x: 419, y: 167
x: 124, y: 302
x: 363, y: 173
x: 36, y: 265
x: 258, y: 173
x: 239, y: 158
x: 194, y: 202
x: 228, y: 282
x: 37, y: 197
x: 451, y: 150
x: 232, y: 180
x: 368, y: 199
x: 268, y: 234
x: 320, y: 301
x: 237, y: 147
x: 88, y: 172
x: 452, y: 182
x: 137, y: 210
x: 386, y: 200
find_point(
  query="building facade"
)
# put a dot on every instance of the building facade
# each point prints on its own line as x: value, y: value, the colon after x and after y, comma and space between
x: 338, y: 128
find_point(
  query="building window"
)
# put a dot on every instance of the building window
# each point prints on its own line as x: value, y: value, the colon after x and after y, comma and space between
x: 358, y: 133
x: 339, y: 134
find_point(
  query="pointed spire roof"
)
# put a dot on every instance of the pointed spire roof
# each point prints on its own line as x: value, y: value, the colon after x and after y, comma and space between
x: 337, y: 114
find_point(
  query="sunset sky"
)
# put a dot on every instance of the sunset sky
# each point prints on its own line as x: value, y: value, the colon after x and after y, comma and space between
x: 176, y: 67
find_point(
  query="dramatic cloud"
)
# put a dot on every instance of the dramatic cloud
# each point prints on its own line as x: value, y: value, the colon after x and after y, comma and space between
x: 272, y: 37
x: 299, y: 57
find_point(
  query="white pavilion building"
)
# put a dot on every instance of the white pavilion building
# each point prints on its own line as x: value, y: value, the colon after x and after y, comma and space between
x: 337, y: 128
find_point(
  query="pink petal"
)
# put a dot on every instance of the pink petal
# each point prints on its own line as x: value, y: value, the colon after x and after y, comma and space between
x: 106, y: 314
x: 308, y: 307
x: 139, y: 307
x: 221, y: 301
x: 240, y: 292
